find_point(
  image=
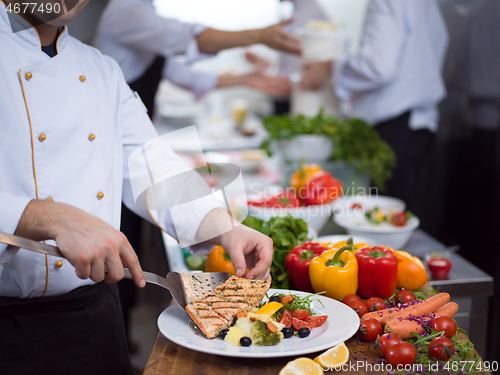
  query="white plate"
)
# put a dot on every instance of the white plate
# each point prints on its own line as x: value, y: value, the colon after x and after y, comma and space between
x: 369, y: 202
x: 341, y: 325
x: 344, y: 237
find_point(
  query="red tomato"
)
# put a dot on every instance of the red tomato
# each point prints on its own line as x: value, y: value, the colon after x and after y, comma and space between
x: 375, y: 303
x: 356, y: 205
x: 370, y: 329
x: 300, y: 314
x: 399, y: 219
x: 358, y: 306
x: 286, y: 318
x: 440, y: 267
x: 441, y: 348
x: 401, y: 353
x: 316, y: 321
x: 443, y: 323
x: 404, y: 296
x: 298, y: 324
x: 351, y: 297
x: 386, y: 340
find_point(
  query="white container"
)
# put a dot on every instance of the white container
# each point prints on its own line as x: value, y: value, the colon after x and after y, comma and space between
x: 312, y: 148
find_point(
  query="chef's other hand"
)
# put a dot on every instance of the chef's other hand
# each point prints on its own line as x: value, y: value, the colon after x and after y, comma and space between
x: 258, y: 62
x: 85, y: 240
x: 275, y: 37
x: 249, y: 249
x: 273, y: 85
x: 315, y: 74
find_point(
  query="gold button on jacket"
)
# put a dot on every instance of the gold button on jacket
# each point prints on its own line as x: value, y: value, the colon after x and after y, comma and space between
x: 50, y: 199
x: 59, y: 264
x: 42, y: 137
x: 28, y: 75
x: 100, y: 195
x: 83, y: 78
x: 91, y: 137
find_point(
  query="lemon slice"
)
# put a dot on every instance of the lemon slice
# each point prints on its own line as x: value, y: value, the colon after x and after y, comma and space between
x: 334, y: 358
x: 302, y: 366
x: 269, y: 308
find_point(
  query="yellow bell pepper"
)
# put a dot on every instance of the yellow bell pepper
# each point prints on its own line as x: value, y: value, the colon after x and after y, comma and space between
x: 340, y: 244
x: 334, y: 272
x: 302, y: 175
x: 411, y: 271
x: 219, y: 261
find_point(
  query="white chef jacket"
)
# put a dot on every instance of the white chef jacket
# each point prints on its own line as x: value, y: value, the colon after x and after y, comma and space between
x: 68, y: 125
x: 133, y: 34
x: 399, y: 65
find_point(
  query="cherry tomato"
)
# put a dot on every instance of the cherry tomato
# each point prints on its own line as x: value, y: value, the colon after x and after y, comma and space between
x: 351, y: 297
x: 358, y: 306
x: 356, y: 205
x: 401, y: 353
x: 286, y: 318
x: 286, y: 300
x: 404, y: 296
x: 298, y: 324
x: 370, y: 329
x: 316, y: 321
x: 386, y: 340
x: 399, y: 219
x: 441, y: 348
x: 300, y: 314
x: 443, y: 323
x: 375, y: 303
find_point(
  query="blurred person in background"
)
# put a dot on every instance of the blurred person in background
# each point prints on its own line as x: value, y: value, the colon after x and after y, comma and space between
x: 395, y: 82
x: 149, y: 48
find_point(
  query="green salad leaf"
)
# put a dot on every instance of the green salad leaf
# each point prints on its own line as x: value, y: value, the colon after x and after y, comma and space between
x: 355, y: 141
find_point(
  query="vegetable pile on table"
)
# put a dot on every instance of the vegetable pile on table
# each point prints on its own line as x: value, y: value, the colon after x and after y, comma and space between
x: 355, y: 142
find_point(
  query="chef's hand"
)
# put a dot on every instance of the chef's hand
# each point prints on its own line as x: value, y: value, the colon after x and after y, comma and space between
x: 85, y: 240
x: 247, y: 248
x: 258, y: 62
x: 273, y: 85
x: 275, y: 37
x: 315, y: 74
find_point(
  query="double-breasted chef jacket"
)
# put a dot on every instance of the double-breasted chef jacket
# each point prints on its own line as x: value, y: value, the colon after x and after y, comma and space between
x: 68, y: 124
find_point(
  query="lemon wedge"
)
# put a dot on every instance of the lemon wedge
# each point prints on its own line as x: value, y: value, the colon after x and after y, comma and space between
x: 302, y: 366
x: 334, y: 358
x: 269, y: 308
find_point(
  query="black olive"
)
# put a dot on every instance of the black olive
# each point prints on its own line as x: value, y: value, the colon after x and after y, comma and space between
x: 275, y: 299
x: 245, y: 341
x: 287, y: 332
x: 223, y: 333
x: 304, y: 332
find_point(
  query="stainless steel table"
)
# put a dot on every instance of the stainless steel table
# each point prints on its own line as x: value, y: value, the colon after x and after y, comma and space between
x: 468, y: 286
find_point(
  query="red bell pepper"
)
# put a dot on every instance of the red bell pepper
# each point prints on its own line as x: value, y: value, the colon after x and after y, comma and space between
x: 377, y: 272
x: 297, y: 264
x: 322, y: 188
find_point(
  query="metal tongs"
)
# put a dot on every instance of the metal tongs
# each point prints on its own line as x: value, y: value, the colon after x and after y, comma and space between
x: 184, y: 287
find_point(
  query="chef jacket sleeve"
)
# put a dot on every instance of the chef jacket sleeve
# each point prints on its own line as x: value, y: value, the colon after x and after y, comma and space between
x: 180, y: 73
x: 139, y: 27
x: 12, y: 208
x: 137, y: 129
x: 376, y: 63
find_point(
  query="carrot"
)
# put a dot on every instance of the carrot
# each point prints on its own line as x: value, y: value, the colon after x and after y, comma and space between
x: 423, y: 308
x: 403, y: 328
x: 241, y: 314
x: 271, y: 327
x: 383, y: 316
x: 450, y: 309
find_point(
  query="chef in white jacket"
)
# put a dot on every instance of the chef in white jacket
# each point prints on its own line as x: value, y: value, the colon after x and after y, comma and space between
x: 69, y: 122
x: 395, y: 82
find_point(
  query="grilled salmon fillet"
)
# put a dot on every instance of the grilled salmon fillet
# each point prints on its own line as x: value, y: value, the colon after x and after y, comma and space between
x: 216, y: 310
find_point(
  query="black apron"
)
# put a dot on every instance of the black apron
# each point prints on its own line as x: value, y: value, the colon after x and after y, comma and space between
x: 77, y: 333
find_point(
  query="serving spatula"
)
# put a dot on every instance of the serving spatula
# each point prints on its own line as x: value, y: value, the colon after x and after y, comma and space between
x: 184, y: 287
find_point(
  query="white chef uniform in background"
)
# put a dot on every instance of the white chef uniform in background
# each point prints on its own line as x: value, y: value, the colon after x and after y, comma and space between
x: 69, y: 124
x: 399, y: 65
x: 133, y: 34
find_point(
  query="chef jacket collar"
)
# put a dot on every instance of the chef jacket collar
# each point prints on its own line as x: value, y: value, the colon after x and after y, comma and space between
x: 19, y: 27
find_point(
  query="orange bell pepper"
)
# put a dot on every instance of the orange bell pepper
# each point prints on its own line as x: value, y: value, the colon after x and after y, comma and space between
x: 302, y: 175
x: 219, y: 261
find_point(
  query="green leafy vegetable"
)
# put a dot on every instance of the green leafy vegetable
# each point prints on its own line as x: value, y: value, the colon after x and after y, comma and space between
x: 356, y: 142
x: 286, y: 233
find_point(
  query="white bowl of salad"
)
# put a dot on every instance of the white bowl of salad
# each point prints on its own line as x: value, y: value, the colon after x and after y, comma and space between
x: 387, y: 226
